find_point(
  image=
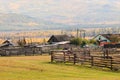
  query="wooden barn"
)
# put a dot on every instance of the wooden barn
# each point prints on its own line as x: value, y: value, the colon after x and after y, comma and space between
x: 6, y: 43
x: 59, y: 38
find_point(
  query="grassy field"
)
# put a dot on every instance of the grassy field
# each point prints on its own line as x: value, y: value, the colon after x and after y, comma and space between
x: 40, y: 68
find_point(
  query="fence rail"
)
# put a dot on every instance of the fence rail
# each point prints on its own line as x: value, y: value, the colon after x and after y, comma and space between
x: 112, y: 62
x: 21, y: 51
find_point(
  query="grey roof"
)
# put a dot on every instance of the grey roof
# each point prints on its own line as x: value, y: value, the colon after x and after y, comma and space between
x: 59, y: 38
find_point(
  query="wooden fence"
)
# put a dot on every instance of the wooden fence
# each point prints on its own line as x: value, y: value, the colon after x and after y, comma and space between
x: 21, y: 51
x: 84, y: 58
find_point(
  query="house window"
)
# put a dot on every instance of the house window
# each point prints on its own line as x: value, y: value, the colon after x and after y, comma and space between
x: 99, y: 38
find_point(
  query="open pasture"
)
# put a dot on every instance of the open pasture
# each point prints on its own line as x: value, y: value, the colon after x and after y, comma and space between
x: 40, y: 68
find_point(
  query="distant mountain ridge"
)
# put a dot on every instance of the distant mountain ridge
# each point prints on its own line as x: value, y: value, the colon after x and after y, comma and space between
x: 13, y: 21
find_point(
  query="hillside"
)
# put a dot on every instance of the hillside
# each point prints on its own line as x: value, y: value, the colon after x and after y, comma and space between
x: 13, y: 21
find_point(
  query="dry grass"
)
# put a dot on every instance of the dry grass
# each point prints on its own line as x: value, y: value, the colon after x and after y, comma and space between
x: 36, y: 40
x: 1, y: 41
x: 39, y: 68
x: 29, y: 40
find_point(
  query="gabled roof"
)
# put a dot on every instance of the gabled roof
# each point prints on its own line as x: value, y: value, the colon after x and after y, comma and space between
x: 6, y: 43
x: 59, y: 38
x: 109, y: 36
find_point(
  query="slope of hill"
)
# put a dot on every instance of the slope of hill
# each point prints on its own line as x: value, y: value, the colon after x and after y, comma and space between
x: 22, y: 22
x: 12, y: 21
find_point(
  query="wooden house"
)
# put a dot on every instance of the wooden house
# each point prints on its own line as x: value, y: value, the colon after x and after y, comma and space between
x: 6, y: 43
x: 61, y: 41
x: 59, y: 38
x: 107, y: 38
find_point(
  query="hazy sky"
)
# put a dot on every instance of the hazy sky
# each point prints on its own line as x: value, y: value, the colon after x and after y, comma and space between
x: 66, y: 11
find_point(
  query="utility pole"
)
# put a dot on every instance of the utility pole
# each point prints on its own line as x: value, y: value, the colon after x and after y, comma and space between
x: 77, y: 32
x: 82, y: 33
x: 62, y: 32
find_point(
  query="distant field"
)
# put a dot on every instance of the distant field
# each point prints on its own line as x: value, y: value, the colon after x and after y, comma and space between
x: 30, y: 40
x: 30, y: 36
x: 36, y: 40
x: 39, y: 68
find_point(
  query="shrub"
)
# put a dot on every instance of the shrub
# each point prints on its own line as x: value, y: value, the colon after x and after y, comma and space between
x: 21, y: 42
x: 79, y: 41
x: 92, y: 41
x: 76, y: 41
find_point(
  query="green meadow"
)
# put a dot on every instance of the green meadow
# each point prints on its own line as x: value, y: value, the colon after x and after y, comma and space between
x: 40, y: 68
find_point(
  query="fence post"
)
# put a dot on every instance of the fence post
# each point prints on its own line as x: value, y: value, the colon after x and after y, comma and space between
x: 74, y: 58
x: 49, y: 53
x: 92, y: 61
x: 33, y: 51
x: 111, y: 66
x: 10, y: 52
x: 64, y: 56
x: 52, y: 56
x: 104, y: 53
x: 107, y: 54
x: 89, y: 52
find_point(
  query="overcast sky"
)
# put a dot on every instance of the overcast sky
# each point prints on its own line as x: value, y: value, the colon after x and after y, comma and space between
x: 66, y: 11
